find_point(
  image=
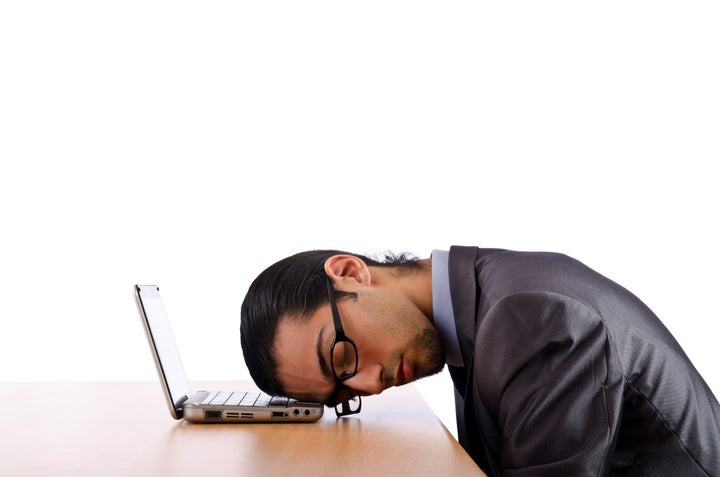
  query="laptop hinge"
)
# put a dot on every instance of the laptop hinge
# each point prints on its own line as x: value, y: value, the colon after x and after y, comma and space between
x: 179, y: 405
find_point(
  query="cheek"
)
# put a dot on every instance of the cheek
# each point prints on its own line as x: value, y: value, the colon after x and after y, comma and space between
x: 377, y: 340
x: 393, y: 328
x: 384, y: 326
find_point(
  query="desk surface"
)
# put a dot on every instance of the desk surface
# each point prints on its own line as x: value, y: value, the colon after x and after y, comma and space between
x: 124, y: 429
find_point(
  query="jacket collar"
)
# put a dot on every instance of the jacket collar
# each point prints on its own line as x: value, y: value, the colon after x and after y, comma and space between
x: 463, y: 290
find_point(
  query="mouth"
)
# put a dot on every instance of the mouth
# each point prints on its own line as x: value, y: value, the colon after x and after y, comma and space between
x: 404, y: 373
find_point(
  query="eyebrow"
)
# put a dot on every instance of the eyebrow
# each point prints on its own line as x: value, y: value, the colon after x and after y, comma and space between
x: 324, y: 367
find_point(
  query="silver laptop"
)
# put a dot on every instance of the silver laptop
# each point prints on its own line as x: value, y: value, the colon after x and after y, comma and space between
x: 208, y: 406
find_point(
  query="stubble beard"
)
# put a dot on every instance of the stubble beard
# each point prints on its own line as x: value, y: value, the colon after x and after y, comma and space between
x: 433, y: 350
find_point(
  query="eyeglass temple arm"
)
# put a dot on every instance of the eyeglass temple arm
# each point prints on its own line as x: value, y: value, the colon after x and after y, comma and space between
x: 336, y: 315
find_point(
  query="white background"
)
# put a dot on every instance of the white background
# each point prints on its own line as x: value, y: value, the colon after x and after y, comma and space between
x: 191, y: 144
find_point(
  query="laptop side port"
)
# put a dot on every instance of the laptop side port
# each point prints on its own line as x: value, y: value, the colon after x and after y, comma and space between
x: 213, y: 414
x: 279, y: 415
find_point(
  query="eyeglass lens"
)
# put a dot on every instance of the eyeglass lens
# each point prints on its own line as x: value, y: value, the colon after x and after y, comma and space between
x: 344, y: 360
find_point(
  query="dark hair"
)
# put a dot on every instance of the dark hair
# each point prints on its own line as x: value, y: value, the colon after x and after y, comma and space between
x: 292, y: 287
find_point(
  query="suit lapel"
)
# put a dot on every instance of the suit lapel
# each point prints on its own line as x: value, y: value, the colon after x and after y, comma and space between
x: 463, y: 290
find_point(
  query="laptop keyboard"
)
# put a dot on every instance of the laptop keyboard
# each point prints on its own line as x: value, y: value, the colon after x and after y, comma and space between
x: 226, y: 398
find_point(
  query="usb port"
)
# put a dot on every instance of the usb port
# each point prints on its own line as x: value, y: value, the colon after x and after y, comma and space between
x: 213, y: 414
x: 278, y: 414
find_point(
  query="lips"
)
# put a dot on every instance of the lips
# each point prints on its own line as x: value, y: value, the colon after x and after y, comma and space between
x: 404, y: 373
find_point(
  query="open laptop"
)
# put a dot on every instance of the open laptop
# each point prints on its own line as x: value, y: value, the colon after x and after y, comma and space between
x: 208, y: 406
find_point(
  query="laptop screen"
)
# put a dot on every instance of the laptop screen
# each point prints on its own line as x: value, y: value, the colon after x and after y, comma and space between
x: 168, y: 361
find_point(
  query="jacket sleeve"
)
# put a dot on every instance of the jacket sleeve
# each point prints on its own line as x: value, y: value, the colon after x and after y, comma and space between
x: 545, y: 374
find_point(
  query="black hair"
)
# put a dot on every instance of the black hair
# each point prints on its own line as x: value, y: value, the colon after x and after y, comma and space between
x: 293, y: 287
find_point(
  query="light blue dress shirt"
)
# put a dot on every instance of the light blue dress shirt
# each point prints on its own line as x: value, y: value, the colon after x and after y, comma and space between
x: 443, y: 317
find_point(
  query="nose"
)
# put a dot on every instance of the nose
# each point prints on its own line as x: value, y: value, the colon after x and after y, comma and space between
x: 368, y: 380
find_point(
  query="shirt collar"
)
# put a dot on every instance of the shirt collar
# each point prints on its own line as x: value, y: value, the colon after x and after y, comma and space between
x: 443, y: 317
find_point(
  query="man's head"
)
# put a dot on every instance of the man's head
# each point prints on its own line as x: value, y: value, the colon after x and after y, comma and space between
x: 385, y: 309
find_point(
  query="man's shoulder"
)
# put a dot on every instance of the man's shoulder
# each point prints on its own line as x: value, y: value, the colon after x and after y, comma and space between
x: 514, y: 267
x: 486, y: 255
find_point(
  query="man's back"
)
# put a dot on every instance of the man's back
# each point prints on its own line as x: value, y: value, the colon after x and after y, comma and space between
x: 572, y: 373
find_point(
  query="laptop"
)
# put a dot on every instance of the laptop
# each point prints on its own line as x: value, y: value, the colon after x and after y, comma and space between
x: 208, y: 406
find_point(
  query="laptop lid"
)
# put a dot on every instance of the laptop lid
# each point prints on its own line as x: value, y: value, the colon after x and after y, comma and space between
x: 165, y: 352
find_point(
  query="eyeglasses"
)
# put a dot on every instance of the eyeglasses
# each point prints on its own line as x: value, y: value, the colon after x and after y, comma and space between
x: 344, y: 362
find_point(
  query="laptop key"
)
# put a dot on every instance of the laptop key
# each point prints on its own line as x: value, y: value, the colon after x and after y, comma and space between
x: 220, y: 398
x: 249, y: 399
x: 235, y: 398
x: 263, y: 400
x: 209, y: 398
x: 279, y: 401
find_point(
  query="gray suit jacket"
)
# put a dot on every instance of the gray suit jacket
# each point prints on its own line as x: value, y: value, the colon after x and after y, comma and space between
x: 568, y: 374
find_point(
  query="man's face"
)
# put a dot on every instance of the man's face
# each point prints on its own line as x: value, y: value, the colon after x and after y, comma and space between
x: 396, y: 344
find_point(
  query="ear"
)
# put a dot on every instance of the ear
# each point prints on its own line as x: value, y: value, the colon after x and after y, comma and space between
x: 347, y: 268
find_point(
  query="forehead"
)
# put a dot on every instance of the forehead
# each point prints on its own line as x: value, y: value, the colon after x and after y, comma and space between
x: 298, y: 340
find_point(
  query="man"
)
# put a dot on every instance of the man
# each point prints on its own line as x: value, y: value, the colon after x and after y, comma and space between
x: 557, y: 370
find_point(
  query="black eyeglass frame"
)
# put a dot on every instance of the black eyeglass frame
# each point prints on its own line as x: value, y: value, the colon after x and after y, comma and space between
x: 343, y: 408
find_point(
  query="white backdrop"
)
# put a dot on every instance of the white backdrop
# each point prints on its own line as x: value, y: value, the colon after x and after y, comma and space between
x: 191, y: 144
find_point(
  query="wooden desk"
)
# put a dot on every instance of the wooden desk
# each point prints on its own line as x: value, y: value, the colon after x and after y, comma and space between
x: 124, y: 429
